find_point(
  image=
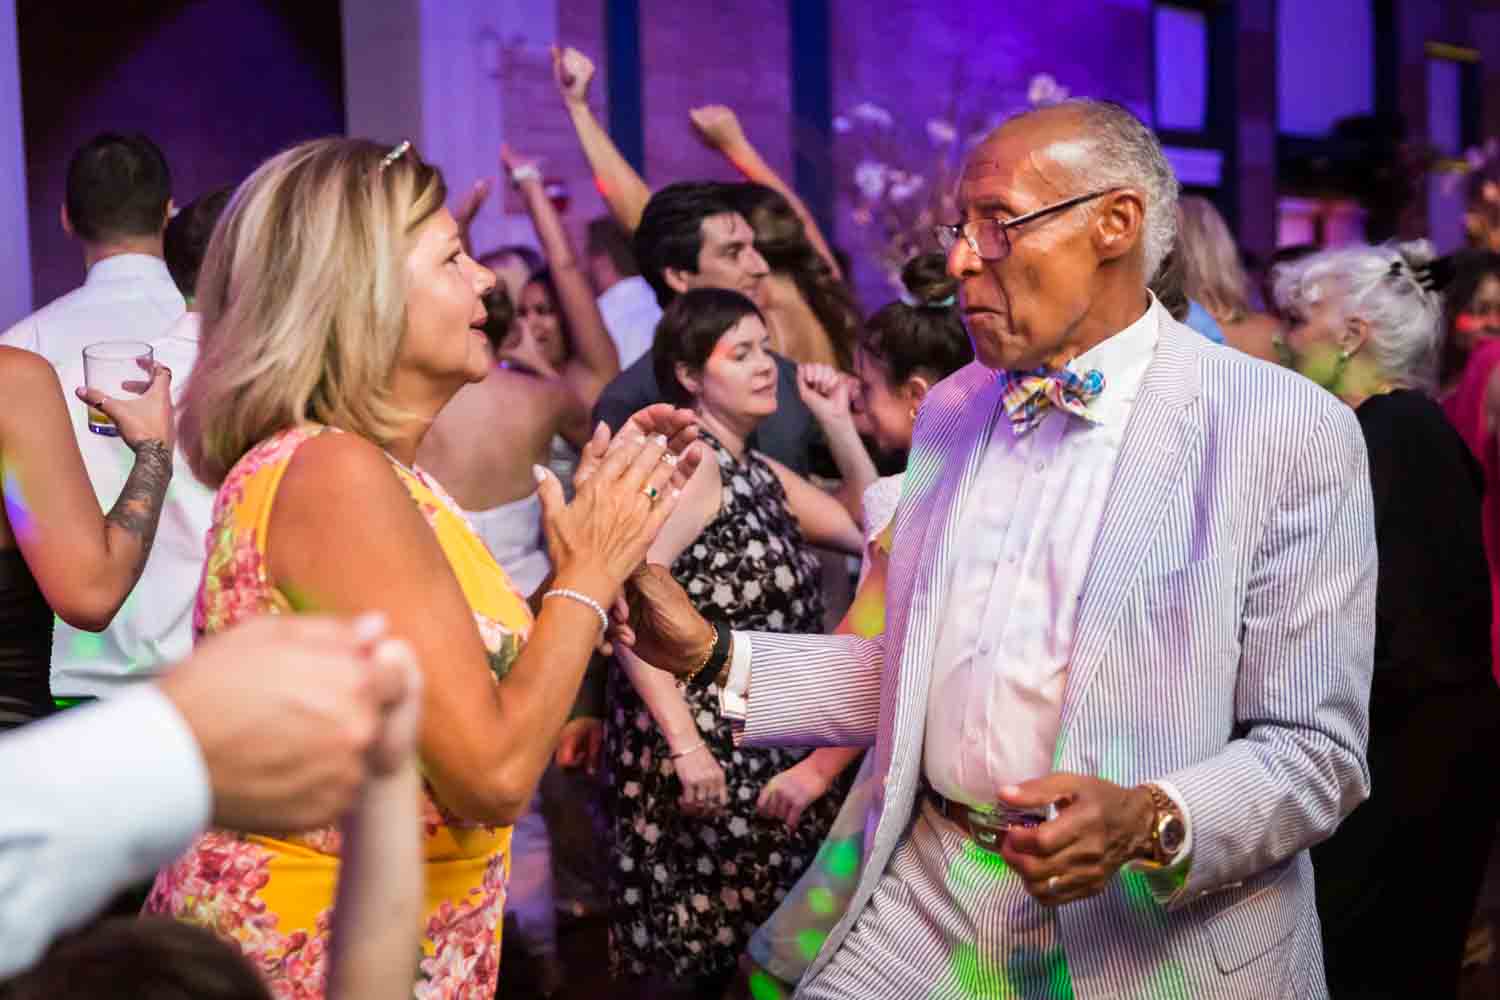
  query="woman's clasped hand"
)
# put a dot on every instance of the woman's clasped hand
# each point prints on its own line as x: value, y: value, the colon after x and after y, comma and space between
x: 627, y: 485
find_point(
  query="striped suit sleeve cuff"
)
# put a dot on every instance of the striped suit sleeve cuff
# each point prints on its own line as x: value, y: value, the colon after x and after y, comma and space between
x: 734, y: 696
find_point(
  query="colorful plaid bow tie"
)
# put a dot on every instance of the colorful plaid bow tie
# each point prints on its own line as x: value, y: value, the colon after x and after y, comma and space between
x: 1028, y: 394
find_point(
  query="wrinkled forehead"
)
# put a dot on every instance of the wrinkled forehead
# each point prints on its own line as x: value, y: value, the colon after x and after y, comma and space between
x: 1021, y: 166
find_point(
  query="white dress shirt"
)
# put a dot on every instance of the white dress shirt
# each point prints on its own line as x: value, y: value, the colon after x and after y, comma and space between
x: 95, y: 798
x: 630, y: 314
x: 129, y: 296
x: 154, y: 627
x: 1011, y: 595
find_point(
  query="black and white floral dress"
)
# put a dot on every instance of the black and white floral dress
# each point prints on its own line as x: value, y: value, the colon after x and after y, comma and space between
x: 688, y: 891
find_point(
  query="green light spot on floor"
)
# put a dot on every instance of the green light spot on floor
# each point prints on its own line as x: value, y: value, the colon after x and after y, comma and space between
x: 809, y: 941
x: 87, y: 645
x: 843, y: 857
x: 821, y: 901
x: 765, y: 987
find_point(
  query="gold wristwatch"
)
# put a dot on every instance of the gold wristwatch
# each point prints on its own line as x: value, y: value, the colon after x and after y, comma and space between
x: 1168, y: 829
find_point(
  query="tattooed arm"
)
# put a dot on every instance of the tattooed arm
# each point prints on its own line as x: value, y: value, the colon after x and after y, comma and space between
x: 84, y: 561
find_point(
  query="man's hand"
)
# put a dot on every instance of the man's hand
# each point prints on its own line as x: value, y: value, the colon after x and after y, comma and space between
x: 665, y: 629
x: 788, y: 794
x: 1099, y: 827
x: 581, y: 744
x: 573, y: 72
x: 291, y: 713
x: 718, y: 127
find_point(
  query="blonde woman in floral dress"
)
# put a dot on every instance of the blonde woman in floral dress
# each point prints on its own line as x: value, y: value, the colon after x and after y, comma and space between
x: 340, y: 313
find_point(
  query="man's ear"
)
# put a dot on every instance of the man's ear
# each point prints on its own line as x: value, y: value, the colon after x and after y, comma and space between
x: 167, y: 216
x: 64, y: 221
x: 676, y: 279
x: 1120, y: 223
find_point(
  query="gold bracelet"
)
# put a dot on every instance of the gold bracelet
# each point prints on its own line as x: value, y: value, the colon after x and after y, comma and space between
x: 708, y: 655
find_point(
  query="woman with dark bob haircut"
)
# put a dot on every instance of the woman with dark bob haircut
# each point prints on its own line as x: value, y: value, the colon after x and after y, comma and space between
x: 708, y: 836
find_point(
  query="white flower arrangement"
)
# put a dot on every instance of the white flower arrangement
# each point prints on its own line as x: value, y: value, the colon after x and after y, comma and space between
x: 895, y: 198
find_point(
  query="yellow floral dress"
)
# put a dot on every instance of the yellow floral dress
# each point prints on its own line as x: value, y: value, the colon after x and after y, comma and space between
x: 273, y: 896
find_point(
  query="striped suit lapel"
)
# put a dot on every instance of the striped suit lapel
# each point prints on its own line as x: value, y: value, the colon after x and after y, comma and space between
x: 1147, y: 469
x: 958, y: 447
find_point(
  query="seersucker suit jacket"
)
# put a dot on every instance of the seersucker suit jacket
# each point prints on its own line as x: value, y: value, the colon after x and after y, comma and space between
x: 1225, y: 643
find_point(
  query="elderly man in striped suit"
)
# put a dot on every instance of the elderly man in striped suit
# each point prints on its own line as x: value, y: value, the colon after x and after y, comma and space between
x: 1130, y: 624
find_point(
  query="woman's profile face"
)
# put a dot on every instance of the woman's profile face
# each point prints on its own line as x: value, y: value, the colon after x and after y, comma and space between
x: 445, y: 315
x: 882, y: 412
x: 537, y: 318
x: 1315, y: 338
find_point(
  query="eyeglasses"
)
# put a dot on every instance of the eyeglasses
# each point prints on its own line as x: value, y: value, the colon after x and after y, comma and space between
x: 990, y: 238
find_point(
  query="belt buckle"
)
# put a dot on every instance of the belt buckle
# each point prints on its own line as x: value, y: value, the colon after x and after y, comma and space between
x: 988, y: 827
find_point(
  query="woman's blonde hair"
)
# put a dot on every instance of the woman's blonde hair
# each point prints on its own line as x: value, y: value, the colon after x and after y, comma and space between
x: 1212, y: 272
x: 303, y: 299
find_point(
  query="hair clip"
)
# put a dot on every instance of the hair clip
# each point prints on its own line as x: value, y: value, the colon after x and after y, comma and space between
x: 913, y: 302
x: 395, y: 154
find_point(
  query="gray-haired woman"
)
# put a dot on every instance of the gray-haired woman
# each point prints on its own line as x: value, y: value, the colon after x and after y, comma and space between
x: 1365, y: 325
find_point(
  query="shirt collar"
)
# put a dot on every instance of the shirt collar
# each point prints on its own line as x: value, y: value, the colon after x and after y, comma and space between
x: 1123, y: 359
x: 127, y: 267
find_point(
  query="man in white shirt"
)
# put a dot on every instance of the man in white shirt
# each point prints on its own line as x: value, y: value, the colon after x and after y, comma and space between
x: 155, y: 625
x: 269, y: 726
x: 117, y: 203
x: 1129, y: 637
x: 626, y: 300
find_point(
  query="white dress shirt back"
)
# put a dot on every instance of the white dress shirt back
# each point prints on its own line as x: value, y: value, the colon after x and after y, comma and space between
x: 1012, y: 593
x: 155, y: 625
x: 129, y: 296
x: 630, y: 314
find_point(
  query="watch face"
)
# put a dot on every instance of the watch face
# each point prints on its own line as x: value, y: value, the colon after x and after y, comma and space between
x: 1171, y: 834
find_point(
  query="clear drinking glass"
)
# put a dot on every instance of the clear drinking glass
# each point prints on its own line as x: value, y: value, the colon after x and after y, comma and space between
x: 116, y: 368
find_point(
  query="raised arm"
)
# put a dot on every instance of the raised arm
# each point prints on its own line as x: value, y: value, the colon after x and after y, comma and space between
x: 595, y: 360
x: 85, y: 561
x: 720, y: 130
x: 825, y: 521
x: 624, y: 191
x: 377, y: 915
x: 826, y: 392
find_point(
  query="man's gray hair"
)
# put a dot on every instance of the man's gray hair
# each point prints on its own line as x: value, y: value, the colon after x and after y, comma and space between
x: 1126, y: 153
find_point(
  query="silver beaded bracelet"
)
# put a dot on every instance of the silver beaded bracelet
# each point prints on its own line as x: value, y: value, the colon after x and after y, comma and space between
x: 585, y: 600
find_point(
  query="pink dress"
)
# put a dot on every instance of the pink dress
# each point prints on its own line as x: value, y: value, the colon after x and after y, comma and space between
x: 1466, y: 411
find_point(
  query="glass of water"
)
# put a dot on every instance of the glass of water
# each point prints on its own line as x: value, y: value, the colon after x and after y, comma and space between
x: 116, y: 368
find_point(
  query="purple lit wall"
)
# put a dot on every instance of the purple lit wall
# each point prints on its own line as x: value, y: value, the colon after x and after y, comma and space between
x: 921, y: 60
x: 218, y: 84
